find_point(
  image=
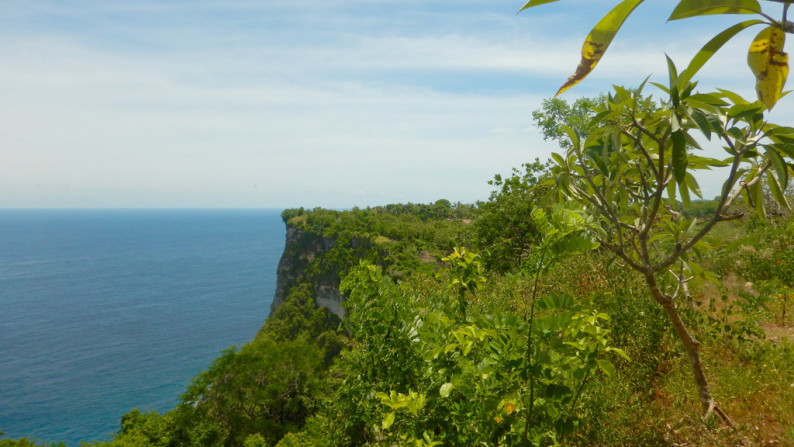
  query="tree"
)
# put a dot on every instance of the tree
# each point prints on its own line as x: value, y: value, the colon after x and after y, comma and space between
x: 268, y: 387
x: 633, y: 155
x: 638, y: 156
x: 555, y: 111
x: 766, y: 57
x: 505, y: 229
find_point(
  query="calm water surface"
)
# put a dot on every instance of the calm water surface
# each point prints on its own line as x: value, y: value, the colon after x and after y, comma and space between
x: 102, y: 311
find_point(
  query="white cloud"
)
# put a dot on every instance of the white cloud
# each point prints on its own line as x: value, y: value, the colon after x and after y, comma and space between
x: 132, y: 105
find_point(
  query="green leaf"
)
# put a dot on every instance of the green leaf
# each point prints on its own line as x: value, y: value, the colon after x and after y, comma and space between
x: 711, y: 47
x: 388, y: 420
x: 691, y: 141
x: 757, y: 198
x: 779, y: 130
x: 532, y: 3
x: 734, y: 97
x: 740, y: 111
x: 445, y: 390
x: 705, y: 98
x: 558, y: 158
x: 703, y: 123
x: 706, y: 162
x: 786, y: 147
x: 671, y: 194
x: 572, y: 135
x: 776, y: 190
x: 619, y: 352
x: 692, y: 184
x: 661, y: 87
x: 779, y: 164
x: 692, y: 8
x: 672, y: 72
x: 606, y: 366
x: 598, y: 41
x: 684, y: 190
x: 679, y: 156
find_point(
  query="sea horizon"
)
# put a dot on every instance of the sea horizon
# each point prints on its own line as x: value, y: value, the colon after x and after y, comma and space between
x: 111, y: 309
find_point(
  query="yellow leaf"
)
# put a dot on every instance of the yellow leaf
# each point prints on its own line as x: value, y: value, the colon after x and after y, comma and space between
x: 769, y: 64
x: 598, y: 41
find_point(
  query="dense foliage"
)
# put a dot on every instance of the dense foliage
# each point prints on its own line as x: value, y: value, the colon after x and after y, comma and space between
x: 458, y: 354
x: 403, y: 238
x: 505, y: 232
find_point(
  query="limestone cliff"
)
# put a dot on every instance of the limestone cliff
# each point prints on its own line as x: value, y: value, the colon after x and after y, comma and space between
x: 301, y: 250
x: 322, y: 245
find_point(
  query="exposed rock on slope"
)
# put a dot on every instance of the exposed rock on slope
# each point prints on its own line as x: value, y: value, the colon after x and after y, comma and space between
x: 322, y: 245
x: 302, y: 248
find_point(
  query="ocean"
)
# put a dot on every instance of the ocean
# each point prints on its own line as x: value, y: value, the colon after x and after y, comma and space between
x: 103, y: 311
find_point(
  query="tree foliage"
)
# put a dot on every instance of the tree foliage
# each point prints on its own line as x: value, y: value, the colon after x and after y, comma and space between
x: 504, y: 230
x: 636, y: 160
x: 766, y: 58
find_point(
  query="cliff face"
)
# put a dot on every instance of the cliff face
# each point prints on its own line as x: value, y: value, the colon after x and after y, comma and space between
x: 322, y: 245
x: 298, y: 263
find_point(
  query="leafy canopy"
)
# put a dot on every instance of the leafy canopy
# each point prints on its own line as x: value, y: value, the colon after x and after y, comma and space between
x: 766, y: 58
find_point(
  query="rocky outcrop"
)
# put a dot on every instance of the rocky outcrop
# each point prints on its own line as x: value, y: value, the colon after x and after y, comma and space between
x: 324, y: 245
x: 302, y: 251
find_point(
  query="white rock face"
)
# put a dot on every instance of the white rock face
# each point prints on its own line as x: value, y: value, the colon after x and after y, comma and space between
x: 300, y: 251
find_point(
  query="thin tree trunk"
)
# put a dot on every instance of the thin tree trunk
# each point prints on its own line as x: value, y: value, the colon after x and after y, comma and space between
x: 692, y: 348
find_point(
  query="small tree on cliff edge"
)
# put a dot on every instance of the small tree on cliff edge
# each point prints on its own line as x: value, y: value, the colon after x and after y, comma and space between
x: 636, y: 156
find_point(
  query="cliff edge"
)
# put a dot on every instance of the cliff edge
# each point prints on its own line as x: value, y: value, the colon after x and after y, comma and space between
x: 301, y: 249
x: 323, y: 245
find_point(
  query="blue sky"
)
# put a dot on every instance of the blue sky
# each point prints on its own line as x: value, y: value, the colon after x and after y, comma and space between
x: 286, y: 103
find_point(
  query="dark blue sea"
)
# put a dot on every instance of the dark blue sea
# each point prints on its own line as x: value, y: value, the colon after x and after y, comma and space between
x: 103, y: 311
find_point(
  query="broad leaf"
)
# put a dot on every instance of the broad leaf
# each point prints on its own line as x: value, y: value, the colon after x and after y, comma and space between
x: 786, y: 147
x: 704, y: 98
x: 532, y: 3
x: 777, y: 190
x: 558, y: 158
x: 673, y: 75
x: 757, y: 199
x: 619, y: 352
x: 387, y: 421
x: 691, y: 141
x: 683, y: 189
x: 661, y: 87
x: 691, y: 8
x: 711, y: 47
x: 671, y: 192
x: 707, y: 162
x: 781, y: 168
x: 606, y: 366
x: 773, y: 130
x: 769, y: 64
x: 740, y: 111
x: 692, y: 184
x: 703, y: 123
x: 598, y: 41
x: 733, y: 97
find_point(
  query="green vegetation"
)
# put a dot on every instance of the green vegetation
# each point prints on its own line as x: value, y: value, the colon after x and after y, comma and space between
x: 546, y: 337
x: 392, y: 236
x: 635, y: 151
x: 563, y: 349
x: 409, y: 367
x: 766, y: 56
x: 594, y: 271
